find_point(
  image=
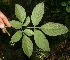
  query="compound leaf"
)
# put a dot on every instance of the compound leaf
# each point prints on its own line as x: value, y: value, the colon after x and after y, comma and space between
x: 16, y: 24
x: 20, y: 12
x: 27, y: 21
x: 17, y: 36
x: 28, y: 32
x: 37, y: 13
x: 41, y: 40
x: 54, y: 29
x: 27, y: 46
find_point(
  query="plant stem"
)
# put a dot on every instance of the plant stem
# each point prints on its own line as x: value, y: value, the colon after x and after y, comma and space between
x: 33, y: 27
x: 7, y: 31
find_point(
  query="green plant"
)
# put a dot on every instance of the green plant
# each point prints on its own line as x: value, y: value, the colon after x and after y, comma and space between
x: 67, y: 5
x: 50, y: 28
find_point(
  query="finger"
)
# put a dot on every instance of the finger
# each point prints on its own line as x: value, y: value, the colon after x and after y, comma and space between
x: 5, y: 20
x: 1, y: 23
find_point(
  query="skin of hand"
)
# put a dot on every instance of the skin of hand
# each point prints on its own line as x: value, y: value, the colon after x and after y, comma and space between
x: 4, y: 22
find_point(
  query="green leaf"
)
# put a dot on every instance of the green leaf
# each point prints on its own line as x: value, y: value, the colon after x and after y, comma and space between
x: 20, y: 12
x: 28, y: 32
x: 68, y: 9
x: 37, y: 13
x: 16, y: 24
x: 54, y: 29
x: 27, y: 46
x: 64, y: 4
x: 17, y: 36
x: 69, y: 2
x: 41, y: 40
x: 27, y: 21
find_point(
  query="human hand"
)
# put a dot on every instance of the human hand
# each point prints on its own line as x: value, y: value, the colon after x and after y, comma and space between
x: 4, y: 22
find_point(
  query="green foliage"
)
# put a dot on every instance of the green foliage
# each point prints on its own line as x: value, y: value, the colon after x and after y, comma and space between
x: 27, y: 46
x: 37, y: 14
x: 41, y: 40
x: 68, y: 58
x: 27, y: 21
x: 16, y: 37
x: 67, y: 5
x: 20, y: 13
x: 16, y: 24
x: 51, y: 29
x: 54, y: 29
x: 63, y: 4
x: 68, y: 9
x: 69, y: 2
x: 28, y: 32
